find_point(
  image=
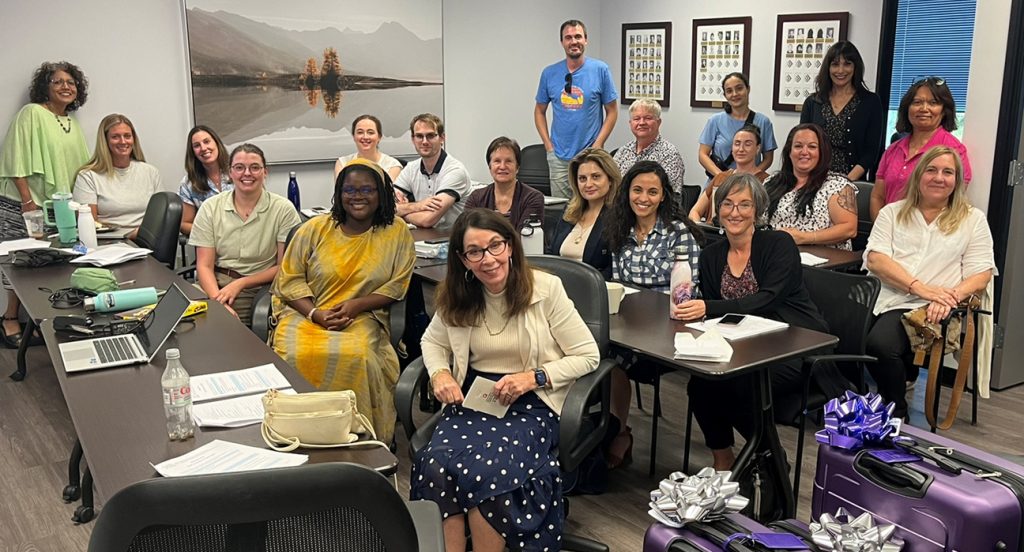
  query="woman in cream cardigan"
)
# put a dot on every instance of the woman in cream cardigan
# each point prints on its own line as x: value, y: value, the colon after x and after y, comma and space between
x: 517, y: 327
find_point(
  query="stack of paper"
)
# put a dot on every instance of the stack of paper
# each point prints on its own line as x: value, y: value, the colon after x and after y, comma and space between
x: 224, y: 457
x: 811, y: 260
x: 249, y: 381
x: 750, y: 326
x: 113, y: 254
x: 235, y: 412
x: 710, y: 347
x: 314, y: 211
x: 428, y: 250
x: 550, y: 200
x: 23, y: 244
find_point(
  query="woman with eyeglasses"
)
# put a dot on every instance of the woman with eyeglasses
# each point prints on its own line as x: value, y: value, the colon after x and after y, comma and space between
x: 927, y: 113
x: 206, y: 173
x: 808, y: 202
x: 339, y: 276
x: 715, y: 152
x: 507, y: 195
x: 746, y: 146
x: 500, y: 320
x: 44, y: 148
x: 851, y: 114
x: 117, y: 182
x: 579, y: 234
x: 753, y: 271
x: 367, y: 133
x: 239, y: 235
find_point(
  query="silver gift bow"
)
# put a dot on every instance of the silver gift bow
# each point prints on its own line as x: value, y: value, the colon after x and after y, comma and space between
x: 844, y: 533
x: 682, y: 498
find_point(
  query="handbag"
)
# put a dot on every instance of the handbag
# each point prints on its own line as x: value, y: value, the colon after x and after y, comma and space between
x: 94, y: 280
x: 324, y: 419
x: 35, y: 258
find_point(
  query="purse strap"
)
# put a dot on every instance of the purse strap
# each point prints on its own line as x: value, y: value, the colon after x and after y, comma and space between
x: 274, y: 439
x: 963, y: 365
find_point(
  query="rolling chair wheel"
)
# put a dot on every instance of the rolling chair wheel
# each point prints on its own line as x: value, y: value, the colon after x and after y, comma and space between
x: 83, y: 514
x: 72, y: 493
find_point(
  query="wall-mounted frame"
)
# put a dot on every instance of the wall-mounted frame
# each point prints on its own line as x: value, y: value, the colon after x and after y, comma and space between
x: 720, y: 46
x: 291, y: 81
x: 801, y: 41
x: 646, y: 62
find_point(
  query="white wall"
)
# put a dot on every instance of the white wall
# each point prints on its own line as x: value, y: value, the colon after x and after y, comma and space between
x: 681, y: 124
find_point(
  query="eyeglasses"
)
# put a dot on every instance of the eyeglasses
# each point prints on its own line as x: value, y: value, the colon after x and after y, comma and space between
x: 477, y: 255
x: 937, y: 81
x: 568, y: 83
x: 240, y: 168
x: 430, y: 136
x: 743, y: 206
x: 70, y: 82
x: 364, y: 191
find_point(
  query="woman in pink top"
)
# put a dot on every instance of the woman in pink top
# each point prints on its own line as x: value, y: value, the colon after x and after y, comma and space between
x: 928, y: 112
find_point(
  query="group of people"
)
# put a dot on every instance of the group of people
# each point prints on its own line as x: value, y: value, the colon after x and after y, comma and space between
x: 334, y: 276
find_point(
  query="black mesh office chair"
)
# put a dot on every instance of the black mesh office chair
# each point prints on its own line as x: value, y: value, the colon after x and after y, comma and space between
x: 585, y: 414
x: 332, y: 507
x: 864, y: 223
x: 160, y: 227
x: 688, y: 198
x: 534, y: 168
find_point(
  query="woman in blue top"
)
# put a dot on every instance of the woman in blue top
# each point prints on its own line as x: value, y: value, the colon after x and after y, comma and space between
x: 206, y: 173
x: 716, y: 138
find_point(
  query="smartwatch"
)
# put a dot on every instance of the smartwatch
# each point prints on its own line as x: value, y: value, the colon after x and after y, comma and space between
x: 540, y: 377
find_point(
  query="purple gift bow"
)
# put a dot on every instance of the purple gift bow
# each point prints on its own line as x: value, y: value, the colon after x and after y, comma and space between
x: 854, y: 420
x: 680, y: 499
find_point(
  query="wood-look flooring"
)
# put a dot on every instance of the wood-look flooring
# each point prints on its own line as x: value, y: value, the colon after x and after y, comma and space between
x: 36, y: 435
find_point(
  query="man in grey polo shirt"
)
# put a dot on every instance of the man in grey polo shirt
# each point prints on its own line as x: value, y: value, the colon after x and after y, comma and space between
x: 431, y: 192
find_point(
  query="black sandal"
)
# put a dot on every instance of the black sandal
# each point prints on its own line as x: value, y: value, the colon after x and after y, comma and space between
x: 12, y: 341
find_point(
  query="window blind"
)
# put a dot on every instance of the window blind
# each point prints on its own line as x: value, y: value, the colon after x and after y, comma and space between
x: 933, y: 38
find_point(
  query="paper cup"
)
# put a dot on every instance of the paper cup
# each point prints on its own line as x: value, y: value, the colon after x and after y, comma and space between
x: 34, y: 224
x: 615, y: 293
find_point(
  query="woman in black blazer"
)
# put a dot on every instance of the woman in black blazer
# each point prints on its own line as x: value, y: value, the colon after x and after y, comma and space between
x: 595, y: 179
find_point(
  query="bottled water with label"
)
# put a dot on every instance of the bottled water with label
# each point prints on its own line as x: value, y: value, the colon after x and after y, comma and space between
x: 177, y: 398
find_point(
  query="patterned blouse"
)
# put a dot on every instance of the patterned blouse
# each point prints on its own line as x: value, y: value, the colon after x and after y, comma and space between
x: 836, y: 127
x: 737, y: 288
x: 650, y: 264
x: 189, y: 195
x: 786, y: 215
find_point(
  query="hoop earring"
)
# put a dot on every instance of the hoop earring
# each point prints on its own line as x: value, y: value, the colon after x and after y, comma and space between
x: 468, y: 276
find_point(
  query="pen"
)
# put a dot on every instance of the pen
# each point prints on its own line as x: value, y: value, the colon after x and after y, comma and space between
x: 126, y: 283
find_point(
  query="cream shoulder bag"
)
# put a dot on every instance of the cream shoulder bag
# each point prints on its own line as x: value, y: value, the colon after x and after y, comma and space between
x: 324, y: 419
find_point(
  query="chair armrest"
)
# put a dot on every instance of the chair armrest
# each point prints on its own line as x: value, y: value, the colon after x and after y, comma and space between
x: 187, y: 271
x: 261, y: 308
x: 397, y: 315
x: 405, y: 393
x: 575, y: 440
x: 814, y: 360
x: 426, y: 518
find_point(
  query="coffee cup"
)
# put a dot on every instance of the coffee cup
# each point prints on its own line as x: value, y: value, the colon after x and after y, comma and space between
x: 615, y: 293
x: 34, y: 224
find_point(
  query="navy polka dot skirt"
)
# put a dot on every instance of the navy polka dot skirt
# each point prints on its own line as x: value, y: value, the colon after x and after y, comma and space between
x: 505, y: 467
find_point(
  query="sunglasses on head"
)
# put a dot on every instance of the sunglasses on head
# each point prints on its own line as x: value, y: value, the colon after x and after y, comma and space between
x: 937, y: 81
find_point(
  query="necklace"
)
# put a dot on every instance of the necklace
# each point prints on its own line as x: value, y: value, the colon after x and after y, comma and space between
x: 493, y: 333
x: 641, y: 234
x: 579, y: 231
x: 66, y: 129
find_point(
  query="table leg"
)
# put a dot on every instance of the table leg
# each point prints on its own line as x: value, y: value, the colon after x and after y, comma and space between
x: 764, y: 444
x: 26, y: 336
x: 74, y: 488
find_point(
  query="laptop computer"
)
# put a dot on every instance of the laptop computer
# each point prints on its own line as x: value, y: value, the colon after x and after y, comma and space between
x: 137, y: 347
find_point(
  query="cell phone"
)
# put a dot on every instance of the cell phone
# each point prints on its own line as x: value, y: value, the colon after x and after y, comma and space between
x: 731, y: 319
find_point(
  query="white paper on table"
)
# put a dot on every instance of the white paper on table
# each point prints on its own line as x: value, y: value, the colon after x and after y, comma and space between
x: 627, y: 291
x: 551, y: 200
x: 235, y: 412
x: 22, y: 244
x: 314, y: 211
x: 248, y: 381
x: 710, y: 347
x: 107, y: 255
x: 224, y: 457
x: 750, y: 326
x: 428, y: 250
x: 811, y: 260
x: 481, y: 398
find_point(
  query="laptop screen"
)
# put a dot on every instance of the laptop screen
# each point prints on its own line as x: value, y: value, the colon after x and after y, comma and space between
x: 162, y: 321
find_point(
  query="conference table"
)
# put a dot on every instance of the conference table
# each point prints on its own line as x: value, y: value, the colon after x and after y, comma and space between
x: 118, y: 412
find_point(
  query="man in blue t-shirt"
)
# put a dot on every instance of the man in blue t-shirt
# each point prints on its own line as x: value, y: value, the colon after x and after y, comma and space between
x: 582, y: 96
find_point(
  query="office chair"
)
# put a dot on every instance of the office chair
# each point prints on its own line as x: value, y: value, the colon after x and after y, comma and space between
x: 585, y: 414
x: 160, y: 227
x: 534, y: 168
x: 332, y: 507
x: 864, y: 222
x: 688, y: 198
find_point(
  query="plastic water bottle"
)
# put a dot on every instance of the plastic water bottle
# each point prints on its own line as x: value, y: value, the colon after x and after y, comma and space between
x: 177, y: 398
x: 533, y: 237
x: 86, y: 227
x: 681, y: 280
x: 293, y: 190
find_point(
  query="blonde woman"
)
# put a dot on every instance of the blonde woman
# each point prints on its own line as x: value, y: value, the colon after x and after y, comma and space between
x: 932, y: 248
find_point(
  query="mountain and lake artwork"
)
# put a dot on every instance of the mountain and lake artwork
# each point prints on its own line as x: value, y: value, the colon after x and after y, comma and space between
x: 295, y: 92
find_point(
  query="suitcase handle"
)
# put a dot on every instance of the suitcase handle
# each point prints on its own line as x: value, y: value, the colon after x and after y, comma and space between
x: 897, y: 478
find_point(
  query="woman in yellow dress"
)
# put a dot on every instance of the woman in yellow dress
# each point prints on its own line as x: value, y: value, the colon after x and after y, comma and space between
x: 339, y: 274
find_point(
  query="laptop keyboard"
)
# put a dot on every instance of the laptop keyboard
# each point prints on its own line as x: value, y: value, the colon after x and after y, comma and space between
x: 115, y: 349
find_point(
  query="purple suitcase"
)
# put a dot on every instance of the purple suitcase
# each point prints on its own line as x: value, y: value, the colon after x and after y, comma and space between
x: 957, y: 498
x: 709, y: 536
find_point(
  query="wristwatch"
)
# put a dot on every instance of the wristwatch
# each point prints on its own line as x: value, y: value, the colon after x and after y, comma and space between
x: 540, y: 377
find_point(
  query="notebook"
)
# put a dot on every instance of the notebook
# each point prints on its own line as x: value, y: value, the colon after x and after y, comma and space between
x: 137, y: 347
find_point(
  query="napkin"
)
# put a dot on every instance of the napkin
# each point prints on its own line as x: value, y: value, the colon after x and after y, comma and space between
x: 710, y: 346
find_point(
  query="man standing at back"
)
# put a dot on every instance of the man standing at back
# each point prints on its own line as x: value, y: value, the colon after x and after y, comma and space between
x: 583, y: 98
x: 431, y: 192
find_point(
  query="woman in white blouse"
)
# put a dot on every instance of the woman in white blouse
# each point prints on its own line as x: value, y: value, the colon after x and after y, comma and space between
x: 932, y: 248
x: 366, y: 133
x: 117, y: 182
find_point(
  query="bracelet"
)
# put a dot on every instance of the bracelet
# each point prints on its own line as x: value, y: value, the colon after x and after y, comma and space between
x: 309, y: 314
x: 27, y: 202
x: 910, y: 288
x: 439, y: 372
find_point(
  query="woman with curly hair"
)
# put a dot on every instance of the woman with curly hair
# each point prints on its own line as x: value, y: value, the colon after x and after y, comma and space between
x: 42, y: 152
x: 338, y: 276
